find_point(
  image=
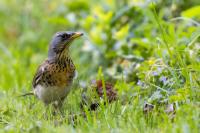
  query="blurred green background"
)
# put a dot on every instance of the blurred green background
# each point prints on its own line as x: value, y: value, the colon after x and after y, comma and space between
x: 114, y: 31
x: 146, y: 48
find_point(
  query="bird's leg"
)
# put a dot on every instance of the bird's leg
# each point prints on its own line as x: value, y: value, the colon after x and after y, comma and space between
x: 47, y: 112
x: 58, y: 105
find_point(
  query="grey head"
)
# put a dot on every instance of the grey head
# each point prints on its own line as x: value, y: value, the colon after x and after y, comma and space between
x: 60, y: 42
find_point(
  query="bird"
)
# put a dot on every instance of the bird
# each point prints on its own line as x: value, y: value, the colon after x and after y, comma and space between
x: 53, y: 79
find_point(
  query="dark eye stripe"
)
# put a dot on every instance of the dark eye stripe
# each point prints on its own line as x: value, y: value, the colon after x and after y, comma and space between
x: 67, y: 35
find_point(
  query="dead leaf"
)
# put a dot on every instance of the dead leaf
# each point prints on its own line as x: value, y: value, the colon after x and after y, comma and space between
x: 110, y: 91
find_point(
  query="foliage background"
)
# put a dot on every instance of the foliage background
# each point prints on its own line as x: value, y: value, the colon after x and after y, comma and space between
x: 150, y: 52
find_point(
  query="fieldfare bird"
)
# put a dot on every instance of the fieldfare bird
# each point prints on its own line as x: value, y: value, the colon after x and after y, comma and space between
x: 53, y: 79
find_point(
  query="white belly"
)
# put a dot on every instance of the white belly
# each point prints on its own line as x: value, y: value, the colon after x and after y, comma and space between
x: 50, y: 94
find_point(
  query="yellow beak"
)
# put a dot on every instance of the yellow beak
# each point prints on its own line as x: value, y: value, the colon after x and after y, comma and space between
x: 76, y: 35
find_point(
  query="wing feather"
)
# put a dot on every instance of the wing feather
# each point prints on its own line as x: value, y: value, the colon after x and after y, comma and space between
x: 39, y: 74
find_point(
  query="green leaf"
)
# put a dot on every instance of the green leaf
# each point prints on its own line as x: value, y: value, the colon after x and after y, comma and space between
x: 191, y: 12
x: 122, y: 33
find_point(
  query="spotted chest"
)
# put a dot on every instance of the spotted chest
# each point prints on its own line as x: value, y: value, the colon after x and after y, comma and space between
x: 53, y: 80
x: 59, y: 74
x: 55, y: 73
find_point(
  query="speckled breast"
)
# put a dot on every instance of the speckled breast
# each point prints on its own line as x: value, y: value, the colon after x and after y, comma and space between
x: 57, y: 78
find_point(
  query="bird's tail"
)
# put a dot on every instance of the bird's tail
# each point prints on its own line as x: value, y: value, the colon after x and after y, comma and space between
x: 26, y: 94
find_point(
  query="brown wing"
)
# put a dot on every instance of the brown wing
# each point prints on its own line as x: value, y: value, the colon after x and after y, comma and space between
x: 39, y: 74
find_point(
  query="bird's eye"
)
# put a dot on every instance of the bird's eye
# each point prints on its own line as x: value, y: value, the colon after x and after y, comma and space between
x: 66, y: 36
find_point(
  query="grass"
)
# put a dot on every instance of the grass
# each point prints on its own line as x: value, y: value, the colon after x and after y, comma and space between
x: 28, y: 115
x: 174, y: 54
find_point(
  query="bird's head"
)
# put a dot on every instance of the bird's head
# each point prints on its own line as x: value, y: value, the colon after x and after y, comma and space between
x: 60, y: 43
